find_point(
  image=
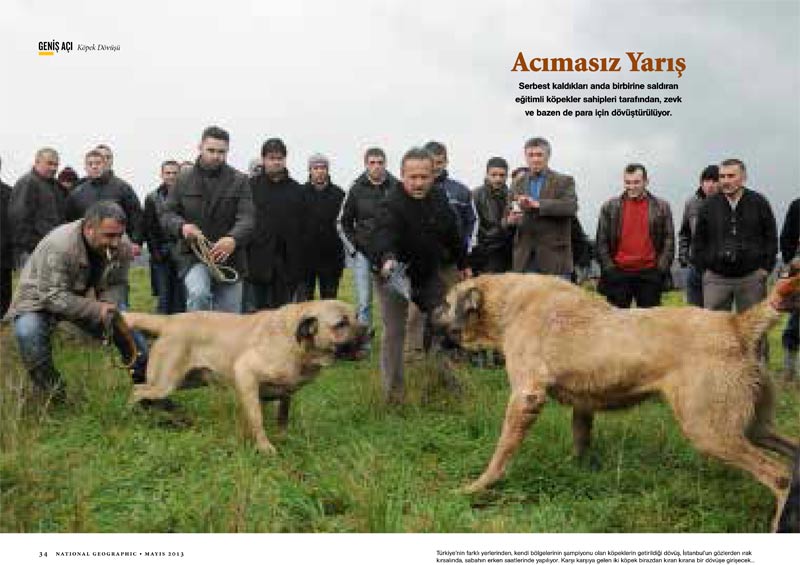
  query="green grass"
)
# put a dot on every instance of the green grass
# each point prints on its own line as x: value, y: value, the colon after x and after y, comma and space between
x: 348, y: 463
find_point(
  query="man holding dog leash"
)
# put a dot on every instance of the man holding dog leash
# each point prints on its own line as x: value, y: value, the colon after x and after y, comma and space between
x: 415, y: 227
x: 211, y: 205
x: 86, y: 255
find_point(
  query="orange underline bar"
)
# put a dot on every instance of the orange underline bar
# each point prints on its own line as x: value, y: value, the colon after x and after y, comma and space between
x: 47, y: 53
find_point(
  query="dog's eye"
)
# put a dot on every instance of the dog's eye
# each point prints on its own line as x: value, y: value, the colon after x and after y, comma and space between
x: 341, y: 324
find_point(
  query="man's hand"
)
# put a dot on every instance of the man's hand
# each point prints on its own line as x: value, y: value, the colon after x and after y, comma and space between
x: 528, y: 203
x: 515, y: 218
x: 222, y: 249
x: 106, y: 308
x: 465, y: 274
x: 388, y: 266
x: 190, y: 231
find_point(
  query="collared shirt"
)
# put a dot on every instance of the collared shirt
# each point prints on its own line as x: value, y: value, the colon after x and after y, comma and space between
x: 535, y: 184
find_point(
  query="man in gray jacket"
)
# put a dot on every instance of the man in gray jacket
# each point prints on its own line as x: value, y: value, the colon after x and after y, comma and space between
x: 79, y: 273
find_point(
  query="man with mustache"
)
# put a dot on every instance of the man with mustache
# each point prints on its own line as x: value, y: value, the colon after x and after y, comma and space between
x: 79, y: 273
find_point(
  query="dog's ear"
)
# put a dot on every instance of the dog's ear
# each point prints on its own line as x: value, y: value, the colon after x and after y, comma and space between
x: 472, y: 300
x: 307, y: 328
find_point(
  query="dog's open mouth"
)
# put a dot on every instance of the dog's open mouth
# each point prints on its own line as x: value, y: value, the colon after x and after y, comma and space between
x: 357, y: 347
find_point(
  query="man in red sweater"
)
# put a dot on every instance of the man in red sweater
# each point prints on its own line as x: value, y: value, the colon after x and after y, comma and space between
x: 635, y: 243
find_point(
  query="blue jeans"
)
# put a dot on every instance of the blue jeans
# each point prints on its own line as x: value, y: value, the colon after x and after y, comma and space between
x: 203, y: 293
x: 362, y: 277
x: 34, y: 329
x: 694, y: 287
x: 168, y: 287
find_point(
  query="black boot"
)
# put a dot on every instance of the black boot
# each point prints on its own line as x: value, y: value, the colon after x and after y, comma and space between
x: 47, y: 381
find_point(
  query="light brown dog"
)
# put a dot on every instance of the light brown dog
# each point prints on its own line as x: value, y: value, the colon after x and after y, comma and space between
x: 267, y: 355
x: 561, y: 341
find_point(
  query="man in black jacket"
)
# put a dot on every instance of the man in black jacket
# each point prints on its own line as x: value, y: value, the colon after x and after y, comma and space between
x: 275, y: 254
x: 211, y: 200
x: 735, y: 242
x: 164, y: 277
x: 492, y: 251
x: 416, y: 227
x: 6, y: 249
x: 102, y: 184
x: 790, y: 248
x: 324, y: 254
x: 357, y: 224
x: 36, y: 205
x: 709, y: 185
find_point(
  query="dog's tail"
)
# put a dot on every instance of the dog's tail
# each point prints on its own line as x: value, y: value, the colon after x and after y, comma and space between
x: 151, y: 324
x: 759, y: 319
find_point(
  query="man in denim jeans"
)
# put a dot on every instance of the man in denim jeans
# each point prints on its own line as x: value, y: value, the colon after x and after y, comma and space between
x: 356, y: 223
x: 211, y: 200
x: 164, y: 279
x: 72, y: 260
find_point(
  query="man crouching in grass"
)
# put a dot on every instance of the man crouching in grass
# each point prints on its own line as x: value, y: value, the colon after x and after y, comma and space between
x: 86, y: 255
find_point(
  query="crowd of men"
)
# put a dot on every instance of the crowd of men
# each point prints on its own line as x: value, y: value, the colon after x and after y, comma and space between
x: 222, y: 240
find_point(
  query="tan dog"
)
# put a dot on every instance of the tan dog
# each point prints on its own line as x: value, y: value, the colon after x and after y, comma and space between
x: 267, y: 355
x: 561, y: 341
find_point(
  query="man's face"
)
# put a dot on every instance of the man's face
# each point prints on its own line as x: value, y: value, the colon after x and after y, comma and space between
x: 95, y: 166
x: 169, y: 175
x: 417, y: 177
x: 213, y: 152
x: 376, y: 167
x: 536, y: 158
x: 46, y: 165
x: 109, y: 158
x: 274, y: 163
x: 710, y: 187
x: 439, y: 164
x: 105, y: 236
x: 318, y: 174
x: 635, y: 183
x: 731, y: 179
x: 496, y: 177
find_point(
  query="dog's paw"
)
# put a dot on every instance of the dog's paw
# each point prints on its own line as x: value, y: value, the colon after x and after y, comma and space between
x: 588, y: 461
x: 472, y: 488
x: 266, y: 448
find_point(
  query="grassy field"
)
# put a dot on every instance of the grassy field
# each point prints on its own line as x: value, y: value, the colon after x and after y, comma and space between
x: 348, y: 463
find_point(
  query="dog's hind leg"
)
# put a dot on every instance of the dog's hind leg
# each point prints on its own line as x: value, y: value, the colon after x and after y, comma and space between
x: 523, y: 408
x: 761, y: 431
x: 772, y: 440
x: 743, y: 454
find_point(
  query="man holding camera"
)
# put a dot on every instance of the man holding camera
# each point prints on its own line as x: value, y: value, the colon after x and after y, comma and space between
x: 735, y: 242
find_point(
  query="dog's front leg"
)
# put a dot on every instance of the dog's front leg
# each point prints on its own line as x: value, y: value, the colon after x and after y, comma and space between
x: 247, y: 389
x: 283, y: 413
x: 523, y: 408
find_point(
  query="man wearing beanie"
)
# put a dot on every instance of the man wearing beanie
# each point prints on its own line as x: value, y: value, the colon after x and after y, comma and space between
x: 324, y: 256
x: 276, y: 252
x: 709, y: 185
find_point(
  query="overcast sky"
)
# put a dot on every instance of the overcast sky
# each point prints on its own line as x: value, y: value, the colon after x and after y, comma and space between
x: 338, y: 77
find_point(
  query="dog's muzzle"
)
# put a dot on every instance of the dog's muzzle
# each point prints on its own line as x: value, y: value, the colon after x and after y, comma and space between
x: 356, y: 347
